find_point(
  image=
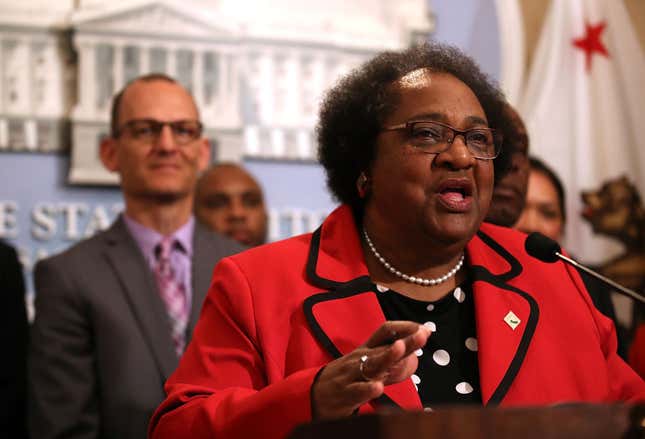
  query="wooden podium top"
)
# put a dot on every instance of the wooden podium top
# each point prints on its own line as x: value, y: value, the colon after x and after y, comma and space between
x: 575, y: 421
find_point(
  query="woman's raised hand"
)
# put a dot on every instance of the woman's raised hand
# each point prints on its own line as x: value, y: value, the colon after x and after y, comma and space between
x: 360, y: 376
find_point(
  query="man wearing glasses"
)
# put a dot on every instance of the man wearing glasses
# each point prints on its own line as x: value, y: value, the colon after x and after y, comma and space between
x: 115, y: 312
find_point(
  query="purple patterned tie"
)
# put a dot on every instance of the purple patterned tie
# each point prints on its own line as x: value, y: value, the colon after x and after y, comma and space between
x: 172, y: 292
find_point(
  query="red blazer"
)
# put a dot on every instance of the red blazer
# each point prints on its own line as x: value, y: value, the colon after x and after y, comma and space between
x: 276, y: 314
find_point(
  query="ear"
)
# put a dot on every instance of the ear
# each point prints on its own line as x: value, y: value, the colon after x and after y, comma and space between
x: 108, y: 154
x: 204, y: 154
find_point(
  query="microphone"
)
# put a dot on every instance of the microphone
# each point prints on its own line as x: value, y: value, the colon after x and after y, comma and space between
x: 547, y: 250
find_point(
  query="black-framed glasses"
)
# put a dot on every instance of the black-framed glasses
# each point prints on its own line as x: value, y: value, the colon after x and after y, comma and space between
x: 148, y: 130
x: 434, y: 137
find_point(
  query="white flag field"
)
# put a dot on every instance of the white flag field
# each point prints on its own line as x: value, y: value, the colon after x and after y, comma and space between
x: 584, y: 107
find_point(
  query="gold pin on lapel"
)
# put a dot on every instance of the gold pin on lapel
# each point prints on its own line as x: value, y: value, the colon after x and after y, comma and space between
x: 512, y: 320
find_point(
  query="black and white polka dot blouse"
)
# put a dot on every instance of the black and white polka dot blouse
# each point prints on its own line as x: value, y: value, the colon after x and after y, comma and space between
x: 448, y: 371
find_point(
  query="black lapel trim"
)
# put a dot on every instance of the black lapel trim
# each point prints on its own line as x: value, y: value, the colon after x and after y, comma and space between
x: 359, y: 285
x: 342, y: 290
x: 312, y: 261
x: 482, y: 274
x: 516, y: 267
x: 531, y: 324
x: 353, y: 287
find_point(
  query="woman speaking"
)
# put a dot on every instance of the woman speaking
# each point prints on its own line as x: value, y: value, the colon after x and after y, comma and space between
x: 402, y: 297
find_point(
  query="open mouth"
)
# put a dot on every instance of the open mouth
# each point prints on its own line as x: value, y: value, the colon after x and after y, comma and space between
x: 456, y: 194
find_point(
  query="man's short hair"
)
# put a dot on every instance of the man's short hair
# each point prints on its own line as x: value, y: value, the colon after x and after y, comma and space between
x: 116, y: 100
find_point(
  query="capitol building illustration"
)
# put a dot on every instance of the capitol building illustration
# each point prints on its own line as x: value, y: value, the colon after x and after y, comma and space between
x: 257, y: 69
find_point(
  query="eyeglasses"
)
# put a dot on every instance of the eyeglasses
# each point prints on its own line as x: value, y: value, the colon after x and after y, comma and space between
x: 434, y: 138
x: 148, y: 130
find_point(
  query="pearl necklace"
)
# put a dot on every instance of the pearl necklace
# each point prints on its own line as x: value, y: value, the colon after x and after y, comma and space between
x: 412, y: 279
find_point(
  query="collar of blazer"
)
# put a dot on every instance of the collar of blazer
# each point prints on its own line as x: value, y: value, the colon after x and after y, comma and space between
x: 347, y: 312
x: 140, y: 291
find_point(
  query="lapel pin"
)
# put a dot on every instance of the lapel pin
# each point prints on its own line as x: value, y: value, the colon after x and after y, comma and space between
x: 512, y: 320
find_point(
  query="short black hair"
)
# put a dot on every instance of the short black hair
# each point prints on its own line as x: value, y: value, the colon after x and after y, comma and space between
x: 538, y: 165
x: 353, y: 111
x: 116, y: 100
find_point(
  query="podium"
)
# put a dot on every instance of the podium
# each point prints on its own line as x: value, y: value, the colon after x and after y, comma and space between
x: 574, y: 421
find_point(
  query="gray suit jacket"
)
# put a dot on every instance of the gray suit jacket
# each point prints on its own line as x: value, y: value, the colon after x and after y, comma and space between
x: 101, y: 348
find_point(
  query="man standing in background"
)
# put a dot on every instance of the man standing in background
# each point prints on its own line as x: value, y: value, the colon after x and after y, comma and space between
x: 115, y: 312
x: 230, y: 201
x: 509, y: 193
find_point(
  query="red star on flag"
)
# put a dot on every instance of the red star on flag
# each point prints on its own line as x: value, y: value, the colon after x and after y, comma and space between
x: 591, y: 43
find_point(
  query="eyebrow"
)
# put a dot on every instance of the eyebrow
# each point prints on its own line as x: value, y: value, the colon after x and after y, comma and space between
x: 442, y: 118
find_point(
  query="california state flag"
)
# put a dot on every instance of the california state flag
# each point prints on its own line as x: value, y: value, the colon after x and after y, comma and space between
x: 584, y: 107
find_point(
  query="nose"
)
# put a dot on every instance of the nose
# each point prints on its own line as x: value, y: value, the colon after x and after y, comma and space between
x: 237, y: 210
x: 456, y: 155
x: 166, y: 140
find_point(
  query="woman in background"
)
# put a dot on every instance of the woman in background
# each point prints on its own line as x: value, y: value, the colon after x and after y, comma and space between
x: 545, y: 212
x: 544, y: 209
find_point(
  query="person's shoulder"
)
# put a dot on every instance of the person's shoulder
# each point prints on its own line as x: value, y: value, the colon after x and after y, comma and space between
x: 215, y: 243
x: 9, y: 261
x: 511, y: 239
x: 80, y: 253
x: 279, y: 252
x: 510, y: 244
x: 7, y: 250
x: 5, y: 247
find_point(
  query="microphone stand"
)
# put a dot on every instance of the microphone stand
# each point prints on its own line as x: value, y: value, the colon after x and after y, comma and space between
x: 626, y: 291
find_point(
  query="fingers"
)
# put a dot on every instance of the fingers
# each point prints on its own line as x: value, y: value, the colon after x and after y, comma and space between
x: 339, y: 390
x: 360, y: 376
x: 395, y: 362
x: 402, y: 369
x: 390, y: 331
